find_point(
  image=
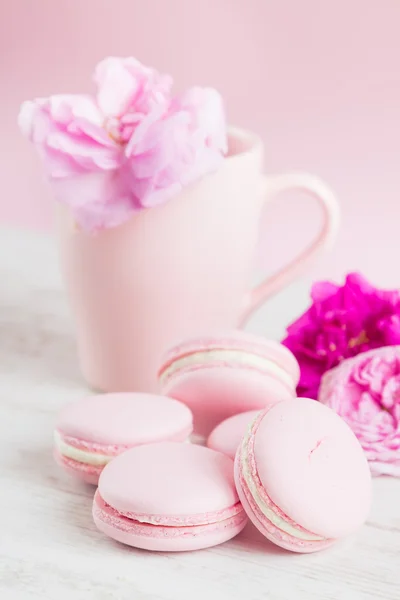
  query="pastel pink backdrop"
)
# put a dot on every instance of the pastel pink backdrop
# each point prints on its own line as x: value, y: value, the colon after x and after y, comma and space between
x: 320, y: 81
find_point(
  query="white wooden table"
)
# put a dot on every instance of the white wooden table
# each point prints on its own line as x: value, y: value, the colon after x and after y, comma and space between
x: 49, y: 547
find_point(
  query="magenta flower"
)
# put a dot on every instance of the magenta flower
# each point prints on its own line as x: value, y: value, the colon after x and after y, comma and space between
x: 365, y: 392
x: 129, y: 146
x: 343, y: 321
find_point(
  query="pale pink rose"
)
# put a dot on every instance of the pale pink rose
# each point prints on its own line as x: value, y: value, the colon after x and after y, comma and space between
x: 129, y: 147
x: 365, y: 392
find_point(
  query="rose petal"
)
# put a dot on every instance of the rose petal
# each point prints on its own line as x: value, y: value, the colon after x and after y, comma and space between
x: 64, y: 108
x: 117, y: 87
x: 98, y: 200
x: 88, y: 154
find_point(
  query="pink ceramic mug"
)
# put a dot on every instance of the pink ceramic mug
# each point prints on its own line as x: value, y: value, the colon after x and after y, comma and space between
x: 178, y: 270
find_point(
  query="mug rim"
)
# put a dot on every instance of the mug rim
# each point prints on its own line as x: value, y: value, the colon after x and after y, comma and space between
x: 250, y: 141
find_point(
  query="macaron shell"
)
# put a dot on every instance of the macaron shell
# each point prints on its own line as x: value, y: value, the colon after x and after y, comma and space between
x: 181, y: 482
x: 272, y: 533
x: 216, y: 393
x: 166, y: 539
x: 313, y: 467
x: 227, y: 436
x: 125, y: 419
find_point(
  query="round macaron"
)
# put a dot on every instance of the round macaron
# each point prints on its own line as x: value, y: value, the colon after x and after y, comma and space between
x: 92, y: 431
x: 218, y: 377
x: 169, y: 497
x: 227, y: 436
x: 302, y: 476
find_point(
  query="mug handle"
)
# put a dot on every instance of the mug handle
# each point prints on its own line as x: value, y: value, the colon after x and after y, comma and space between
x: 274, y: 186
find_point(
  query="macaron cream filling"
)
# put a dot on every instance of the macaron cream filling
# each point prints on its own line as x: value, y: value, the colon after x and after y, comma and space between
x: 94, y: 458
x: 266, y: 508
x: 83, y: 456
x: 218, y: 356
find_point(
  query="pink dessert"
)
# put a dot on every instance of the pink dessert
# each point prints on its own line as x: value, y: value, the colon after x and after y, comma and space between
x: 94, y: 430
x: 227, y: 436
x: 302, y: 476
x: 218, y: 377
x: 169, y: 497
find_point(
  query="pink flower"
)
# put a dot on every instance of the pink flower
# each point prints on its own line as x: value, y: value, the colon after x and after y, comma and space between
x: 365, y: 391
x: 131, y: 146
x: 169, y: 152
x: 343, y: 321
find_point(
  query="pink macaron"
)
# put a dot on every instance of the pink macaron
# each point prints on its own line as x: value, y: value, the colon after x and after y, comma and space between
x: 169, y: 497
x: 218, y: 377
x: 302, y: 476
x: 91, y: 432
x: 227, y: 436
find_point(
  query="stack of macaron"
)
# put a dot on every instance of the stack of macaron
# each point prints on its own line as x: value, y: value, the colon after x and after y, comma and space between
x: 290, y: 465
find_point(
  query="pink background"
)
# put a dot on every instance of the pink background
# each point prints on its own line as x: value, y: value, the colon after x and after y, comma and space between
x: 320, y: 81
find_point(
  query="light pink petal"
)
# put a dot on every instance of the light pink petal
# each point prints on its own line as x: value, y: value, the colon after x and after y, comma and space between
x: 64, y: 108
x: 148, y: 132
x: 69, y: 139
x: 26, y: 117
x: 98, y: 200
x: 381, y: 468
x: 116, y: 84
x: 35, y: 121
x: 90, y: 130
x: 59, y: 165
x: 88, y: 154
x: 159, y: 146
x: 208, y: 115
x: 160, y: 195
x: 167, y: 153
x: 206, y: 161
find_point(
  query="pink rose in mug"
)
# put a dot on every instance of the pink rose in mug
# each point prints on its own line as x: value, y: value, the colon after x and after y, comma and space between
x: 130, y: 146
